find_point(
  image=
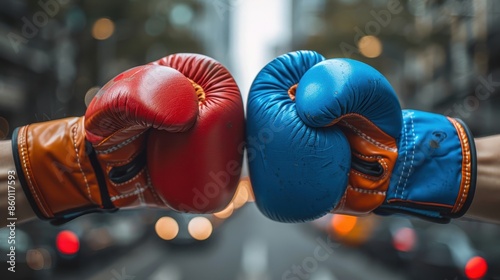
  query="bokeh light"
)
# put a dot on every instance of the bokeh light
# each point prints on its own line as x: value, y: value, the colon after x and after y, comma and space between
x: 67, y: 242
x: 370, y: 46
x: 167, y: 228
x: 200, y: 228
x: 226, y: 212
x: 352, y: 230
x: 476, y: 268
x: 38, y: 259
x: 404, y: 239
x: 343, y: 224
x: 247, y: 186
x: 241, y: 196
x: 181, y: 14
x: 103, y: 28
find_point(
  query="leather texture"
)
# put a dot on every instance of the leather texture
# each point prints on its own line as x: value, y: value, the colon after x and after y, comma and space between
x: 60, y: 176
x: 118, y: 117
x: 53, y: 159
x: 348, y: 110
x: 357, y: 98
x: 297, y: 172
x: 434, y: 173
x: 198, y: 170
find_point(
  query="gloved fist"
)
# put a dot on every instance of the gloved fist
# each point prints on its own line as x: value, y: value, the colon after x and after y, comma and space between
x: 330, y: 136
x: 197, y: 171
x: 100, y: 162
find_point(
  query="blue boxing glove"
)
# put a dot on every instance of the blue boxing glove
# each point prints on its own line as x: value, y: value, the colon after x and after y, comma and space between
x: 330, y: 136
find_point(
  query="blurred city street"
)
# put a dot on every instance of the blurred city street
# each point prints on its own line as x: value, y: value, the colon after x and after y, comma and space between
x: 249, y: 247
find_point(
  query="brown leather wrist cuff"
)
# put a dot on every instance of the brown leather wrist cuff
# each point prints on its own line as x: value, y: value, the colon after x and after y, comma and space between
x: 58, y: 174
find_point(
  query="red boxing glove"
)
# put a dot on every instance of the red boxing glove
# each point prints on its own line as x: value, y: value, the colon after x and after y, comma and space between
x: 118, y: 118
x: 95, y: 163
x: 198, y: 170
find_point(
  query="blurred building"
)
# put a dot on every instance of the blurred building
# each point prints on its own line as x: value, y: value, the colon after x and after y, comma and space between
x: 53, y: 51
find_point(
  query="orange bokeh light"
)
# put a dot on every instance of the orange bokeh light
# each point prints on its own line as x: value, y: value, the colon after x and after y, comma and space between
x: 370, y: 46
x: 103, y: 28
x: 343, y: 224
x: 200, y: 228
x: 226, y: 212
x: 166, y: 228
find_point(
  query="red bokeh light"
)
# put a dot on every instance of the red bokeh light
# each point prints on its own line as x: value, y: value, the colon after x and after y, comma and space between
x: 67, y: 242
x: 404, y: 239
x: 476, y: 268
